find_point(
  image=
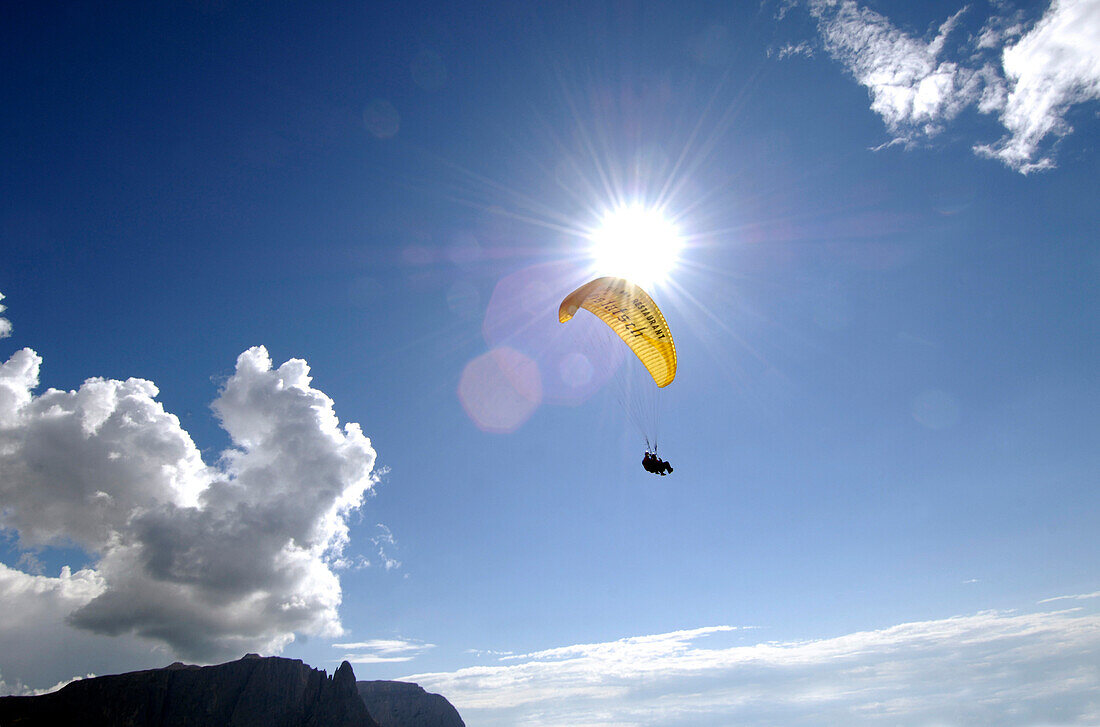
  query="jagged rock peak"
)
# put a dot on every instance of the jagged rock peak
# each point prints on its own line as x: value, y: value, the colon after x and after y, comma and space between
x: 344, y: 679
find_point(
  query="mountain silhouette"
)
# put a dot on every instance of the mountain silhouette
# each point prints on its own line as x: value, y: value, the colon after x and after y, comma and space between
x: 251, y: 692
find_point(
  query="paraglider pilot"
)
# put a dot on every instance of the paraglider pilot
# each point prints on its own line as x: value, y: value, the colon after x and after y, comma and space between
x: 656, y: 465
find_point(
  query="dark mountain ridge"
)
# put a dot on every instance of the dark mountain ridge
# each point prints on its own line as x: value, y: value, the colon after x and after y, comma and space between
x: 251, y: 692
x: 404, y: 704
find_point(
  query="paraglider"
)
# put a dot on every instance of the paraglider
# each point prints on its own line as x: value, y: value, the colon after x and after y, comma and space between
x: 635, y: 319
x: 652, y: 463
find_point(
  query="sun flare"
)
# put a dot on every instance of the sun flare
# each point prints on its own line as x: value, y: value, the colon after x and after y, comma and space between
x: 636, y: 243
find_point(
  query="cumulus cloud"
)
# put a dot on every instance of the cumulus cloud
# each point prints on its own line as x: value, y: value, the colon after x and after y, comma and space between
x: 209, y: 560
x: 1001, y: 668
x: 383, y: 651
x: 1029, y: 78
x: 33, y: 631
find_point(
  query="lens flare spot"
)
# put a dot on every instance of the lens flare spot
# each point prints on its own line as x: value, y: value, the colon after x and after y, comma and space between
x: 576, y: 370
x: 381, y: 118
x: 500, y: 390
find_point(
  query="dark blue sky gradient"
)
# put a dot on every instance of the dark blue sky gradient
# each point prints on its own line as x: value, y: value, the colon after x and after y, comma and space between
x: 901, y: 397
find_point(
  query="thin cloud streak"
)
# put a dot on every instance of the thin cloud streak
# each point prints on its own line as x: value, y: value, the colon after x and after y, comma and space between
x: 1078, y: 597
x: 375, y: 659
x: 386, y: 646
x: 383, y: 651
x: 993, y: 667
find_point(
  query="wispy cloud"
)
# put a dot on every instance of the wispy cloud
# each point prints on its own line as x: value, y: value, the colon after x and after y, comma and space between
x: 1078, y: 597
x: 5, y: 324
x: 383, y: 651
x: 1053, y: 67
x: 650, y: 648
x: 792, y: 49
x: 913, y: 88
x: 992, y: 667
x: 1029, y: 77
x: 489, y: 652
x: 386, y: 544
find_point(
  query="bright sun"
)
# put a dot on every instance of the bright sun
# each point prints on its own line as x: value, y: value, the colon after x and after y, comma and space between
x: 636, y: 243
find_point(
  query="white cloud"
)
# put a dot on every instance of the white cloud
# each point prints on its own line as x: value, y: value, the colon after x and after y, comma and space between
x: 1053, y: 67
x: 988, y: 668
x: 5, y: 324
x: 913, y: 88
x: 649, y: 648
x: 210, y: 561
x: 361, y: 658
x: 918, y: 86
x: 383, y: 651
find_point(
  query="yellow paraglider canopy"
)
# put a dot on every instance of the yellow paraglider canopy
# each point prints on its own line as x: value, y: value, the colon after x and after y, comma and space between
x: 633, y: 316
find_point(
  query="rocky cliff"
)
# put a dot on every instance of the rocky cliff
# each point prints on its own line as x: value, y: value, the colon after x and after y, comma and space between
x: 402, y: 704
x: 252, y: 692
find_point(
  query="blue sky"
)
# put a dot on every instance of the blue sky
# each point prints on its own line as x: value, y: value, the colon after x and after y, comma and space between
x: 883, y: 424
